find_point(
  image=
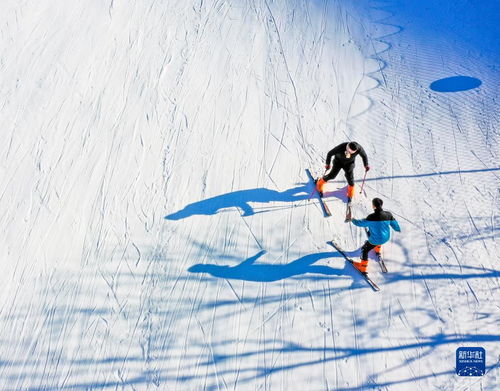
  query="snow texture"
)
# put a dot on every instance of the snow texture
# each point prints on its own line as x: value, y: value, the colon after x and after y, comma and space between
x: 156, y: 227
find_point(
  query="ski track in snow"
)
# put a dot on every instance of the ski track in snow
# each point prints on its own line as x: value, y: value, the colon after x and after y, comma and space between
x: 156, y: 227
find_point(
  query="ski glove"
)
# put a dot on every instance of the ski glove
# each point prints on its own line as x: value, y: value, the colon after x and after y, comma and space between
x: 327, y: 166
x: 367, y: 168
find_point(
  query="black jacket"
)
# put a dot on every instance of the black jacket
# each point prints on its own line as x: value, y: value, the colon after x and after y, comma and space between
x: 338, y: 153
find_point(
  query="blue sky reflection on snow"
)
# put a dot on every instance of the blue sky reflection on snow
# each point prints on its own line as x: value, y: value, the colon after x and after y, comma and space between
x: 468, y: 27
x: 446, y: 31
x: 465, y: 24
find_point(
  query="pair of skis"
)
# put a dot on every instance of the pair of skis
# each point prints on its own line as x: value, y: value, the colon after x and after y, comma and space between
x: 324, y: 206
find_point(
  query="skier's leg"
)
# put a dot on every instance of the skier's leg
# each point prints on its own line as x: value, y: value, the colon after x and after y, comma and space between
x: 363, y: 265
x: 331, y: 175
x: 366, y: 249
x: 349, y: 175
x: 333, y: 172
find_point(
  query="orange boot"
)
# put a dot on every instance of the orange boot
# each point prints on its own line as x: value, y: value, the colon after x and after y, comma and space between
x: 350, y: 192
x: 319, y: 185
x: 361, y: 266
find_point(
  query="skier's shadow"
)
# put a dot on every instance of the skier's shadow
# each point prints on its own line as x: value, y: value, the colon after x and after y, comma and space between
x: 249, y: 271
x: 340, y: 193
x: 241, y: 199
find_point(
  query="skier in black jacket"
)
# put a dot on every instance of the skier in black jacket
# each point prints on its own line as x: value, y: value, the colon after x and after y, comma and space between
x: 344, y: 155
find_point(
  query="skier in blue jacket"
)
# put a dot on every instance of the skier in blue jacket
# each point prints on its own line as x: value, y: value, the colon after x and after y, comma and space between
x: 379, y: 225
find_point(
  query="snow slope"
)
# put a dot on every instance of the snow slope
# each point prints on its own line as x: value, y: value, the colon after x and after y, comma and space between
x: 156, y: 227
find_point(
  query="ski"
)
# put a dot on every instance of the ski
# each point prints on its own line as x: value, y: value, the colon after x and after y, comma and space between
x: 324, y: 206
x: 348, y: 212
x: 381, y: 262
x: 365, y: 276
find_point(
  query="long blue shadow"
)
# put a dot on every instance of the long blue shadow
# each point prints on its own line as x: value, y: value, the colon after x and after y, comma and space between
x: 249, y: 271
x: 455, y: 84
x: 398, y: 277
x: 439, y: 173
x: 241, y: 199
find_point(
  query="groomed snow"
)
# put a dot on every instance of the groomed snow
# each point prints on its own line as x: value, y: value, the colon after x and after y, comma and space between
x: 156, y: 231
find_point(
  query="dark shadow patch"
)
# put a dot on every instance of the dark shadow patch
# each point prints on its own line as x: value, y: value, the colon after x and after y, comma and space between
x: 455, y: 84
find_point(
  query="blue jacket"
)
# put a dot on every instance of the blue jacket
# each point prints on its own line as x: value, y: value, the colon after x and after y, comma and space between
x: 379, y: 224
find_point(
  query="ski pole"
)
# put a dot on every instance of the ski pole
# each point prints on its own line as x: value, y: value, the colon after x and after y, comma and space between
x: 362, y: 184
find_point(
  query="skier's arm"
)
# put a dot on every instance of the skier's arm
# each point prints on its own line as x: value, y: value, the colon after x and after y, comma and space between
x: 333, y: 152
x: 360, y: 223
x: 395, y: 226
x: 363, y: 155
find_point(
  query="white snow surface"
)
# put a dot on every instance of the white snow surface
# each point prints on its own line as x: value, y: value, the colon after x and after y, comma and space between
x: 156, y: 231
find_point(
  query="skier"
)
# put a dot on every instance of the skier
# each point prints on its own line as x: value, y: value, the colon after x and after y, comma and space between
x: 344, y: 155
x: 379, y: 232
